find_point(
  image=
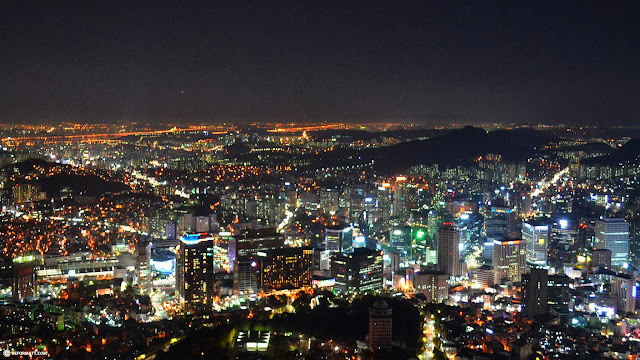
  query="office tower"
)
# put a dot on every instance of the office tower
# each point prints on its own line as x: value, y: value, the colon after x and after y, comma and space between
x: 194, y: 270
x: 535, y: 292
x: 509, y: 259
x: 286, y: 268
x: 562, y: 242
x: 613, y: 234
x: 485, y: 276
x: 623, y: 289
x: 380, y: 325
x: 394, y: 262
x: 329, y: 198
x: 474, y: 223
x: 585, y: 236
x: 24, y: 277
x: 634, y: 242
x: 400, y: 238
x: 171, y: 230
x: 500, y: 221
x: 203, y: 224
x: 400, y: 197
x: 434, y: 221
x: 601, y: 258
x: 536, y: 235
x: 186, y: 222
x: 338, y: 238
x: 251, y: 241
x: 432, y: 284
x: 487, y: 250
x: 558, y: 292
x: 246, y: 277
x: 448, y: 239
x: 143, y: 265
x: 357, y: 271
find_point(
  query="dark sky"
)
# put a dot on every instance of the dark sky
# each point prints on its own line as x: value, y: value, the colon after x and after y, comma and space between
x: 424, y: 62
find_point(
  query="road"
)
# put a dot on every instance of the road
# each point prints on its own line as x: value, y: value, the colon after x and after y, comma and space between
x: 429, y: 334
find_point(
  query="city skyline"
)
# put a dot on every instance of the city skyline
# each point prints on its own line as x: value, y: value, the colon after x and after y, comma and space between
x: 320, y: 180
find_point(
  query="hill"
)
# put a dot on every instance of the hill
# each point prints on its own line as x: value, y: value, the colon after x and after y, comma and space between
x: 627, y: 153
x: 458, y: 147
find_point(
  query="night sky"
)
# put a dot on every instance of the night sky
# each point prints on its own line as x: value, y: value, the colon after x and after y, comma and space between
x: 472, y: 62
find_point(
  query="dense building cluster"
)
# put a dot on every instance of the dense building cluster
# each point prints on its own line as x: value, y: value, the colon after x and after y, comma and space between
x: 501, y: 255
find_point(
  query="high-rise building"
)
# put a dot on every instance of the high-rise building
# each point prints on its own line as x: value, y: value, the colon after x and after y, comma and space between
x: 400, y: 238
x: 613, y: 234
x: 432, y: 284
x: 535, y: 292
x: 203, y: 224
x: 338, y: 238
x: 623, y: 289
x: 357, y: 271
x: 143, y: 265
x: 251, y: 241
x: 194, y: 270
x: 563, y: 241
x: 246, y: 277
x: 286, y: 268
x: 171, y: 230
x: 24, y: 277
x: 380, y: 325
x: 601, y: 258
x: 558, y: 292
x: 500, y: 221
x: 448, y: 239
x: 536, y: 235
x: 634, y: 242
x: 400, y: 197
x: 509, y: 259
x: 485, y: 276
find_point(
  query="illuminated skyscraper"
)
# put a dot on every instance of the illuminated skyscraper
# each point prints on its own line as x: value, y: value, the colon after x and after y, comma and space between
x: 400, y: 197
x: 357, y: 271
x: 194, y: 270
x: 500, y: 221
x: 400, y: 238
x: 246, y: 277
x: 509, y: 259
x: 448, y: 239
x: 338, y: 238
x: 143, y: 265
x: 613, y: 234
x: 286, y: 268
x: 24, y: 277
x: 623, y: 289
x: 251, y: 241
x: 536, y: 236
